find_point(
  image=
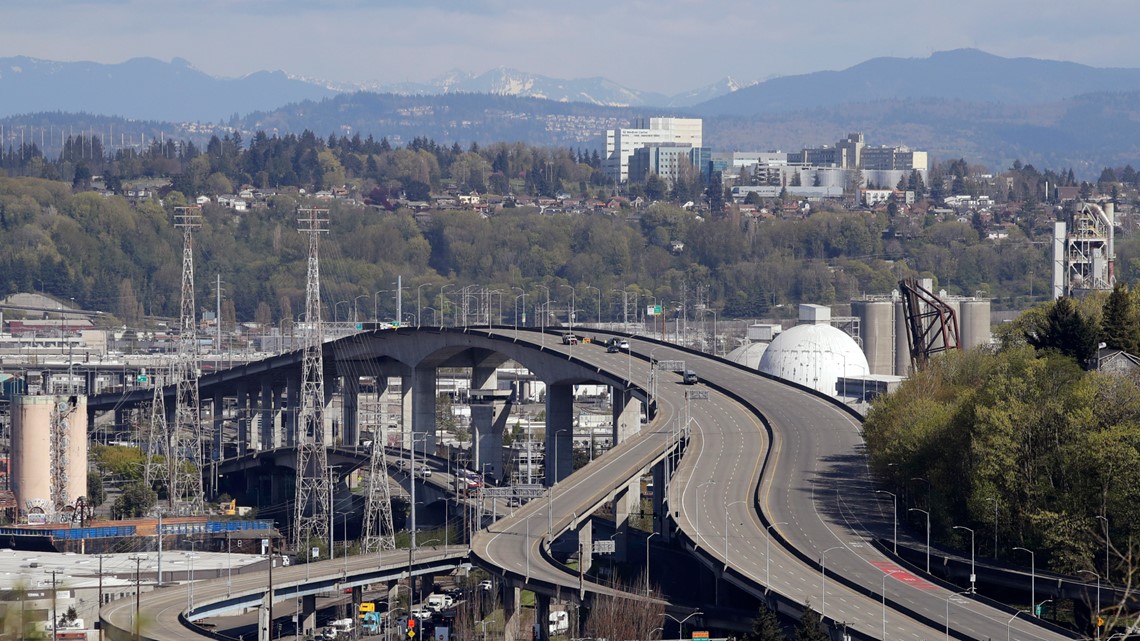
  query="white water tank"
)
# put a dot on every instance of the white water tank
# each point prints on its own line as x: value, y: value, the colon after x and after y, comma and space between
x: 32, y: 450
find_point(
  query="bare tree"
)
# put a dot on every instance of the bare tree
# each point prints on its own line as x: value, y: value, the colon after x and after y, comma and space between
x: 626, y: 615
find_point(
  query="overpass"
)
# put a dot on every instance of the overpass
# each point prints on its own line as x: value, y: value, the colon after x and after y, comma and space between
x: 762, y: 481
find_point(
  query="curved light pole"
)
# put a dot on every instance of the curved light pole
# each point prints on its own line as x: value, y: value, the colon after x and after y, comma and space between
x: 950, y: 596
x: 1106, y: 570
x: 599, y: 302
x: 1007, y: 624
x: 376, y: 305
x: 573, y: 307
x: 895, y: 512
x: 443, y: 302
x: 973, y: 576
x: 884, y: 593
x: 681, y: 622
x: 419, y: 288
x: 647, y: 562
x: 336, y: 306
x: 823, y: 580
x: 768, y: 553
x: 915, y: 509
x: 1032, y: 577
x: 356, y: 310
x: 995, y: 502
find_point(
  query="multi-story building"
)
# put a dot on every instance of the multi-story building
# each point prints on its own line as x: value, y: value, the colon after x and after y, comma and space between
x: 622, y: 143
x: 666, y: 160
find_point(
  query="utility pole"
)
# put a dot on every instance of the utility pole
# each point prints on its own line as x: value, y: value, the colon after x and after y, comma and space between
x: 312, y: 507
x: 186, y: 433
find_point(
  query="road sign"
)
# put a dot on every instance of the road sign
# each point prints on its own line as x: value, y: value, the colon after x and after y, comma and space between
x: 141, y: 378
x: 697, y: 395
x: 671, y: 366
x: 701, y: 634
x: 368, y: 606
x: 605, y: 547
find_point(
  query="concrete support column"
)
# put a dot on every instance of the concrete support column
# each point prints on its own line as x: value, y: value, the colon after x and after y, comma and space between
x: 542, y: 616
x: 354, y: 608
x: 586, y: 546
x: 218, y: 411
x: 263, y: 621
x: 289, y: 418
x: 511, y: 602
x: 660, y: 520
x: 423, y: 407
x: 489, y: 413
x: 265, y: 429
x: 350, y: 421
x: 559, y: 432
x: 627, y: 502
x: 242, y: 411
x: 307, y: 617
x: 407, y: 384
x: 626, y: 414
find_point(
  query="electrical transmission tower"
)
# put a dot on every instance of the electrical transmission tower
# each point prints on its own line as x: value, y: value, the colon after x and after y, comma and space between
x: 186, y: 458
x: 379, y: 533
x: 157, y: 438
x: 313, y: 504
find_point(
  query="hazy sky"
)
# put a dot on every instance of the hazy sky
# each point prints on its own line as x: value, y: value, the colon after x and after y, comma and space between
x: 664, y: 45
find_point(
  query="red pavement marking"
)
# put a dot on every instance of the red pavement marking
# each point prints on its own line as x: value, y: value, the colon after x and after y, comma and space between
x: 902, y: 575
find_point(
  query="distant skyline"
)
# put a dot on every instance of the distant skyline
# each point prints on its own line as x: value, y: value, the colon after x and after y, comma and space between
x: 668, y: 46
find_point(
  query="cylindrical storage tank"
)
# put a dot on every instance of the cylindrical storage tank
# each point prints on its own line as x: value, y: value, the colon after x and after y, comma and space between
x: 876, y: 328
x: 902, y: 347
x: 975, y: 323
x: 31, y: 452
x: 77, y: 450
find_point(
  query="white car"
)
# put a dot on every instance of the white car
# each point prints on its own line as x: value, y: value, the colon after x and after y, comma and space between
x: 485, y: 585
x: 423, y: 472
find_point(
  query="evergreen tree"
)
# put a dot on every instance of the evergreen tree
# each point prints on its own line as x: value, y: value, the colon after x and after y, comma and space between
x: 765, y: 627
x: 1119, y: 326
x: 810, y: 627
x: 1064, y: 329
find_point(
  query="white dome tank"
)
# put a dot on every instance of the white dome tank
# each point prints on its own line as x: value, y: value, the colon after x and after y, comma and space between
x: 815, y: 356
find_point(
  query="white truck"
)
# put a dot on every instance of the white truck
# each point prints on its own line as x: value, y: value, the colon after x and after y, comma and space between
x: 559, y: 622
x: 439, y: 602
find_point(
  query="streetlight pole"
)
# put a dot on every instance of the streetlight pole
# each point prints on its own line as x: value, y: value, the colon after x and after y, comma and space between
x: 915, y: 509
x: 951, y: 596
x: 768, y: 553
x: 1032, y: 576
x: 1106, y: 545
x: 995, y: 502
x: 1007, y: 624
x: 647, y: 562
x: 419, y: 288
x: 356, y: 310
x: 895, y: 513
x: 884, y: 593
x: 823, y: 580
x: 553, y: 482
x: 681, y: 622
x: 973, y: 576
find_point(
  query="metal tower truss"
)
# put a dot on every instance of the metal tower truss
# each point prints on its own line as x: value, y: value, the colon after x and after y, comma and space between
x: 932, y: 325
x: 379, y: 532
x: 313, y: 504
x: 1089, y: 253
x: 60, y: 453
x: 157, y: 438
x: 186, y: 456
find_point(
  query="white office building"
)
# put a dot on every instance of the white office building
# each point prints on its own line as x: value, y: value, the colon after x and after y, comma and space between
x: 622, y: 143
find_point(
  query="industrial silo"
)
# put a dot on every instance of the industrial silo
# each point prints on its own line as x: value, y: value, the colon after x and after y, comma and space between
x: 877, y: 330
x: 902, y: 347
x: 974, y: 323
x: 32, y: 451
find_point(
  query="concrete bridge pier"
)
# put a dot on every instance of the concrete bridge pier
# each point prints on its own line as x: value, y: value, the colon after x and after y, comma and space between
x: 291, y: 411
x: 626, y: 502
x: 559, y: 432
x: 265, y: 414
x: 660, y: 514
x: 242, y: 413
x: 423, y: 407
x: 350, y: 408
x: 489, y: 412
x: 626, y: 414
x: 307, y: 617
x: 585, y: 546
x: 511, y: 595
x: 542, y: 616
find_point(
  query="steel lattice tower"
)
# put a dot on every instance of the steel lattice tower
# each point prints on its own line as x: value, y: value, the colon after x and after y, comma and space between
x: 157, y: 438
x: 379, y: 533
x: 186, y: 434
x: 313, y: 504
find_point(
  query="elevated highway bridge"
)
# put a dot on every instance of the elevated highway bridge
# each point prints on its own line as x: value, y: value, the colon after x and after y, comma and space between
x: 765, y: 483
